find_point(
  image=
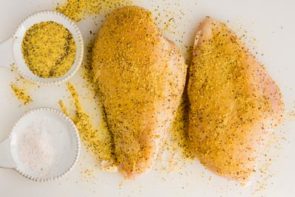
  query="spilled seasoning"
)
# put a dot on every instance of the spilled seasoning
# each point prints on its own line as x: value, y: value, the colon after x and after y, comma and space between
x: 79, y: 9
x: 96, y: 140
x: 170, y: 18
x: 88, y: 174
x: 49, y: 49
x: 21, y: 94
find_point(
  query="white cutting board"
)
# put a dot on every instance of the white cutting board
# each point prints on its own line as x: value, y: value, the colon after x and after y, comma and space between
x: 270, y: 22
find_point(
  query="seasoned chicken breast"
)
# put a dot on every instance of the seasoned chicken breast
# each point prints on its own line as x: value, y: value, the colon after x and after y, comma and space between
x: 232, y: 102
x: 141, y: 77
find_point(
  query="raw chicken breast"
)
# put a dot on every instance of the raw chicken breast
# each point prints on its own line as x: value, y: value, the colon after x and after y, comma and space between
x: 141, y: 77
x: 232, y: 102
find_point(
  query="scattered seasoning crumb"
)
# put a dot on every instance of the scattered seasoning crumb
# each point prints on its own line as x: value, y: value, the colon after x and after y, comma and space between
x: 13, y: 68
x: 168, y: 23
x: 98, y: 141
x: 49, y: 49
x: 79, y: 9
x: 272, y: 149
x: 63, y: 107
x: 169, y: 18
x: 88, y: 173
x: 21, y: 94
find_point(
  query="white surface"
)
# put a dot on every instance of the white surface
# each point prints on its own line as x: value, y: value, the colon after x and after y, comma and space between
x: 270, y: 22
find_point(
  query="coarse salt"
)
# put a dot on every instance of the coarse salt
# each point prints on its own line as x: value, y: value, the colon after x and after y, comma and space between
x: 43, y: 146
x: 36, y: 149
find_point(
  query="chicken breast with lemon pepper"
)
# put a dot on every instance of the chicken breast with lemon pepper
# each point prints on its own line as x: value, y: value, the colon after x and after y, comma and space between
x: 141, y: 77
x: 232, y: 102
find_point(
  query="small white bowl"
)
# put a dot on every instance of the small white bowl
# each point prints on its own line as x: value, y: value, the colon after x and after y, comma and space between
x: 11, y: 49
x: 66, y: 146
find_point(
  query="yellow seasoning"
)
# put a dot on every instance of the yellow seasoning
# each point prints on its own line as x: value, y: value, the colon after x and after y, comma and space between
x: 97, y: 141
x: 78, y: 9
x: 49, y: 49
x: 21, y: 94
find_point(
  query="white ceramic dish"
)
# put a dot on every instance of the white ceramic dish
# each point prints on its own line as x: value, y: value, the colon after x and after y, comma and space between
x: 63, y: 136
x: 12, y: 48
x: 270, y: 22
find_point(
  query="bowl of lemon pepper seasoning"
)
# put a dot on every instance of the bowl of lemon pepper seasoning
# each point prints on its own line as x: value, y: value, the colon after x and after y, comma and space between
x: 47, y: 48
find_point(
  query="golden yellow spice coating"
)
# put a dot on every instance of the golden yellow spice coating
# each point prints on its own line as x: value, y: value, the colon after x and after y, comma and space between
x: 21, y: 94
x: 141, y: 77
x: 231, y: 96
x: 97, y: 141
x: 179, y: 129
x: 78, y: 9
x: 49, y: 49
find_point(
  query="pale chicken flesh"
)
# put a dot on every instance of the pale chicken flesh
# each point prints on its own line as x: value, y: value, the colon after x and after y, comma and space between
x: 141, y: 77
x: 232, y: 102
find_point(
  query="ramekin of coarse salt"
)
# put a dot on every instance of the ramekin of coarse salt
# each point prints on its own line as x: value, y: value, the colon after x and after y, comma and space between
x: 44, y: 145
